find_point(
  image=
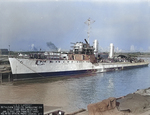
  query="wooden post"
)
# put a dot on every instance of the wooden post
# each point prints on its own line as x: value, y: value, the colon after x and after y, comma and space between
x: 8, y: 77
x: 1, y: 77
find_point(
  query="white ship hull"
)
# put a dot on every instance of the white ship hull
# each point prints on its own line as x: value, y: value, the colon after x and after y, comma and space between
x: 60, y: 67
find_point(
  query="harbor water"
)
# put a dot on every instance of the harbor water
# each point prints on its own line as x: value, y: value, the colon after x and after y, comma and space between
x: 72, y: 93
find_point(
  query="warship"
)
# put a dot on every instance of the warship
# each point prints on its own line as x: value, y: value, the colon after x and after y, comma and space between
x: 83, y: 58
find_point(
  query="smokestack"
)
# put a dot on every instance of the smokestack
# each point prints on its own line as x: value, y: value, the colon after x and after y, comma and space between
x: 111, y: 53
x: 95, y: 45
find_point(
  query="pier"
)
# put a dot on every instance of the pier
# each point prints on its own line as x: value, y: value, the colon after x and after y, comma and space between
x: 5, y: 70
x: 5, y: 73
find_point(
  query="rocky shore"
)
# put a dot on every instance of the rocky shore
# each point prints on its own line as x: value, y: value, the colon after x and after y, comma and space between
x: 137, y: 103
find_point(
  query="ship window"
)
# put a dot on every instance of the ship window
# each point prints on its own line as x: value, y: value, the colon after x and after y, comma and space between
x: 51, y: 61
x: 58, y: 61
x: 68, y: 61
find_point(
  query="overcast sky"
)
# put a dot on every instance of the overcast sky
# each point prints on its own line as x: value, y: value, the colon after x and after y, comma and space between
x: 33, y: 23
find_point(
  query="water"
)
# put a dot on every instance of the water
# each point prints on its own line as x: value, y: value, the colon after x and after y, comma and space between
x: 75, y: 92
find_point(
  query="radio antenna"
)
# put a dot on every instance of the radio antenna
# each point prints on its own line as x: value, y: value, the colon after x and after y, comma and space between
x: 89, y: 22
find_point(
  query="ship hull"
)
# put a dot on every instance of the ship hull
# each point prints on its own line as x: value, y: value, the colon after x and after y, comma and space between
x: 50, y: 74
x: 33, y: 68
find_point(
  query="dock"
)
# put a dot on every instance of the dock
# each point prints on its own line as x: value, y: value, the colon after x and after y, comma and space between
x: 5, y: 73
x: 5, y: 69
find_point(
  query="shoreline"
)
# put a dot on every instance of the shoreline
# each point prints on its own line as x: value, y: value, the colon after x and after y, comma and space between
x: 136, y: 103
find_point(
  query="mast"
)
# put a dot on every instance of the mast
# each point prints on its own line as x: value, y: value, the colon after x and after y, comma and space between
x: 89, y: 22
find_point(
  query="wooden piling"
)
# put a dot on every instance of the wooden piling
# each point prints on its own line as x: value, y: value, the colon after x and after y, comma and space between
x: 1, y: 77
x: 8, y: 77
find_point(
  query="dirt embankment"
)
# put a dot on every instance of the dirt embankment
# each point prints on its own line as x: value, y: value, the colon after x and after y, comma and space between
x: 137, y: 103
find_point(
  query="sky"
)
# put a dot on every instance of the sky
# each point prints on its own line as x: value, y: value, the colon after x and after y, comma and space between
x: 27, y: 25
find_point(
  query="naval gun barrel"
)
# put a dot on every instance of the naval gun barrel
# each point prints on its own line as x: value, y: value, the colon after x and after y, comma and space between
x: 86, y: 41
